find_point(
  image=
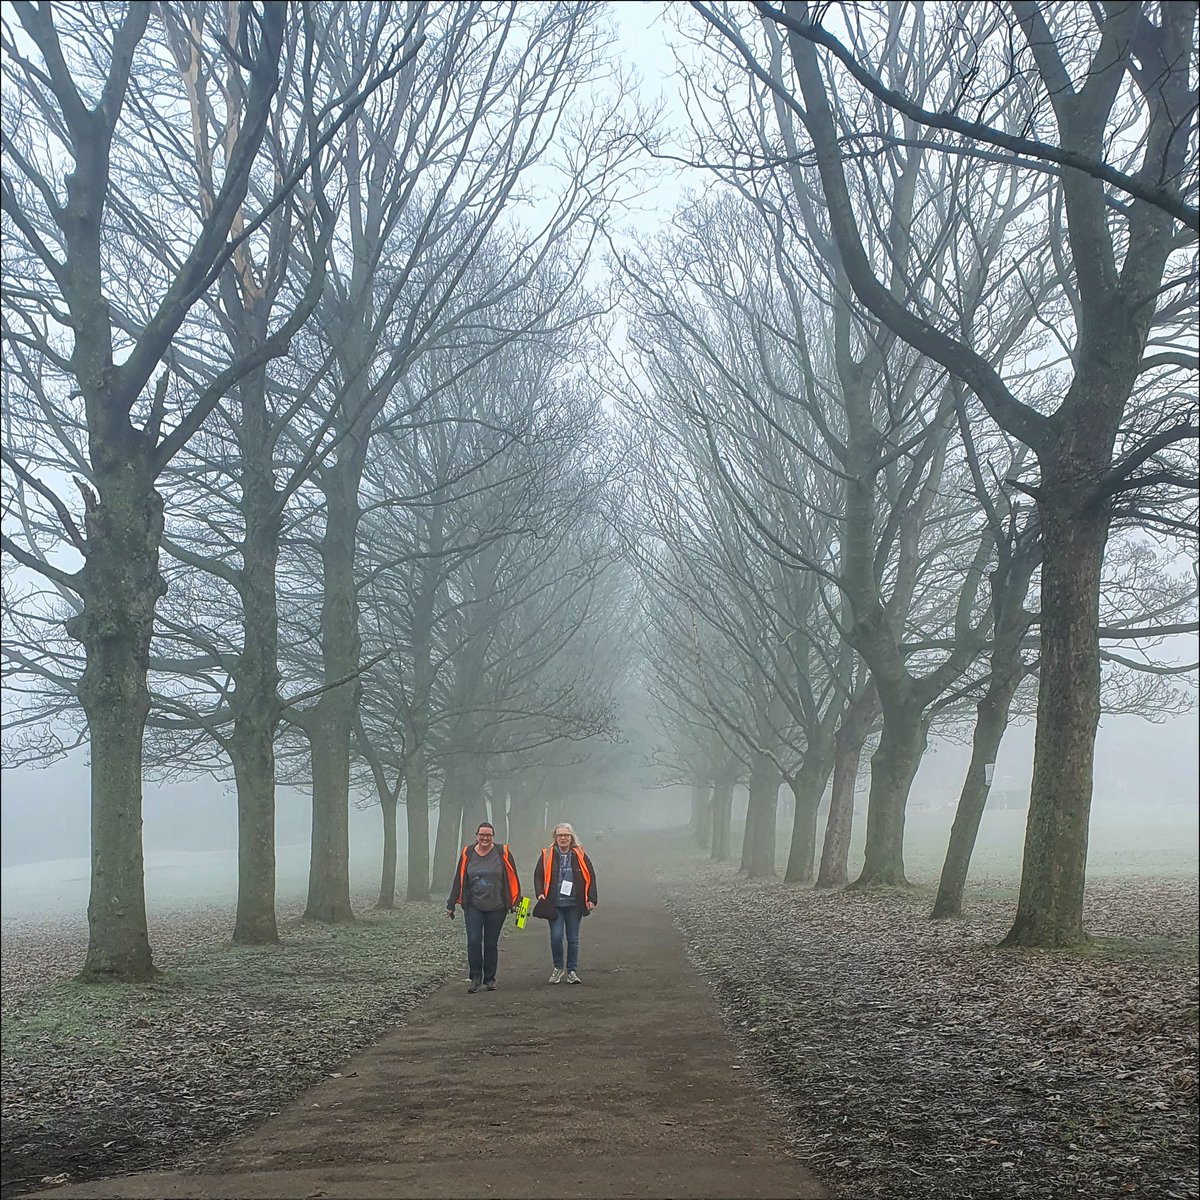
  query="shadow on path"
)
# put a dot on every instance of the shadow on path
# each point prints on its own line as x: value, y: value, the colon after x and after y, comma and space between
x: 624, y: 1086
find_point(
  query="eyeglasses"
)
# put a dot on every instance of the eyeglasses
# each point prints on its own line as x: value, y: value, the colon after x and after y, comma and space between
x: 485, y: 837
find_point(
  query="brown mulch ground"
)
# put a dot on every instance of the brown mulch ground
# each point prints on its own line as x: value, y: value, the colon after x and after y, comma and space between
x: 905, y: 1058
x: 925, y: 1062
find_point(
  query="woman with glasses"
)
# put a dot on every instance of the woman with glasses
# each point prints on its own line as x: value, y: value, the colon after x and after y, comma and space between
x: 566, y: 875
x: 487, y: 887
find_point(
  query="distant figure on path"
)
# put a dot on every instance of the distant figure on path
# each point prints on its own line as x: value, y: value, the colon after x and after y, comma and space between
x: 487, y: 887
x: 566, y: 875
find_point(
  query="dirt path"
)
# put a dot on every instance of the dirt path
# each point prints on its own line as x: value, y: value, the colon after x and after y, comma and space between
x: 626, y: 1086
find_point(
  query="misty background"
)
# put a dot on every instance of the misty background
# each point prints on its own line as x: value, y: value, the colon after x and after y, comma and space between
x: 1146, y: 814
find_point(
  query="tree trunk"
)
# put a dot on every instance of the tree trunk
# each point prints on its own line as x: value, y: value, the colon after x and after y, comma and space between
x: 416, y: 806
x: 748, y: 831
x: 524, y: 816
x: 329, y: 723
x: 121, y: 586
x: 474, y: 781
x: 722, y: 815
x: 893, y: 766
x: 807, y: 786
x: 474, y: 796
x: 500, y: 811
x: 764, y: 801
x: 329, y: 860
x: 990, y: 724
x: 416, y: 717
x: 1012, y: 621
x: 448, y: 841
x: 839, y: 825
x: 1050, y: 902
x: 255, y: 699
x: 387, y: 879
x: 252, y: 752
x: 701, y: 814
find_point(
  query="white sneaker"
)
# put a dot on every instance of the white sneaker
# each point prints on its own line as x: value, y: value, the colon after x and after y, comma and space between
x: 573, y: 978
x: 556, y: 976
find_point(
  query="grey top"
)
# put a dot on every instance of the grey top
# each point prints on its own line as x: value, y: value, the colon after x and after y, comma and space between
x: 484, y: 888
x: 566, y: 870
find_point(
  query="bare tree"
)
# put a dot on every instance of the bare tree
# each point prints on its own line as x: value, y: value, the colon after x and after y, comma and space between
x: 89, y: 321
x: 432, y: 168
x: 1112, y: 97
x: 451, y: 493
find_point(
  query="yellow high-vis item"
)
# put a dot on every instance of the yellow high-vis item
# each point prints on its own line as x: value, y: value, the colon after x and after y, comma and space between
x: 522, y: 911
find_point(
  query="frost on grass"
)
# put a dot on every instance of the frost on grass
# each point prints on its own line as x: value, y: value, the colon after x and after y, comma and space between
x: 114, y: 1079
x: 912, y: 1058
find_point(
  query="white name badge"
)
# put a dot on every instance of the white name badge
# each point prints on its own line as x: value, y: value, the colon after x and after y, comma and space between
x: 564, y: 888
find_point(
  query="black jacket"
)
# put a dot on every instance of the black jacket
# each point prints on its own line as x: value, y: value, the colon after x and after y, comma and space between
x: 584, y: 871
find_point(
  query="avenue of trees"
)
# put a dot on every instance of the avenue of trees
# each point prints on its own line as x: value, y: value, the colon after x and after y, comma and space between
x: 349, y: 441
x: 973, y: 338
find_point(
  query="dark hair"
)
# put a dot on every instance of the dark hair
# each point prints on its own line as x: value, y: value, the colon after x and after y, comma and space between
x: 484, y: 825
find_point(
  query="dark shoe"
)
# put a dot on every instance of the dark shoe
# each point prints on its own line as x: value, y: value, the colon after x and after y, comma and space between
x: 473, y: 986
x: 491, y: 987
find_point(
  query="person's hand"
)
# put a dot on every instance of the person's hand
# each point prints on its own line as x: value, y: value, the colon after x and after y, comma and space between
x: 541, y: 895
x: 588, y: 905
x: 450, y: 913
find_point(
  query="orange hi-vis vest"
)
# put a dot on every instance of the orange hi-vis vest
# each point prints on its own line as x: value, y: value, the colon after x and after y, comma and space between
x: 548, y: 864
x: 510, y: 876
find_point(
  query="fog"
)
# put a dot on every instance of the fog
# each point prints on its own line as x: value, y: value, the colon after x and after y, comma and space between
x: 1145, y: 821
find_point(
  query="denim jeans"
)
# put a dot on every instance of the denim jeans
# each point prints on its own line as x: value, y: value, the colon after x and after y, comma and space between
x: 566, y: 922
x: 483, y: 939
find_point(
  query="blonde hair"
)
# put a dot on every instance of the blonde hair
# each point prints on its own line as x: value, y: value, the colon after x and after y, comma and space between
x: 570, y: 829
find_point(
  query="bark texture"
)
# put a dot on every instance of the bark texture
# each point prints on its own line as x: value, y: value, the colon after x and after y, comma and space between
x: 765, y: 781
x: 848, y: 747
x: 121, y: 586
x: 722, y: 810
x: 893, y: 766
x: 807, y: 788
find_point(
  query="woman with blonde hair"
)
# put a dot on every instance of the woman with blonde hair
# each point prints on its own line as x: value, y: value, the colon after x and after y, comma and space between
x: 565, y: 875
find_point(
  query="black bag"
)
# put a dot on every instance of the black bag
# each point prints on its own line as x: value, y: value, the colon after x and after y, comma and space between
x: 545, y: 909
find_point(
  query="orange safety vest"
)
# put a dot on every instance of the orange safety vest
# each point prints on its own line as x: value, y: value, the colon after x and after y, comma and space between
x: 547, y: 864
x: 510, y: 874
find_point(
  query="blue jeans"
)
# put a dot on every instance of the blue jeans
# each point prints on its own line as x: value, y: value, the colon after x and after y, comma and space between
x: 483, y: 941
x: 566, y: 922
